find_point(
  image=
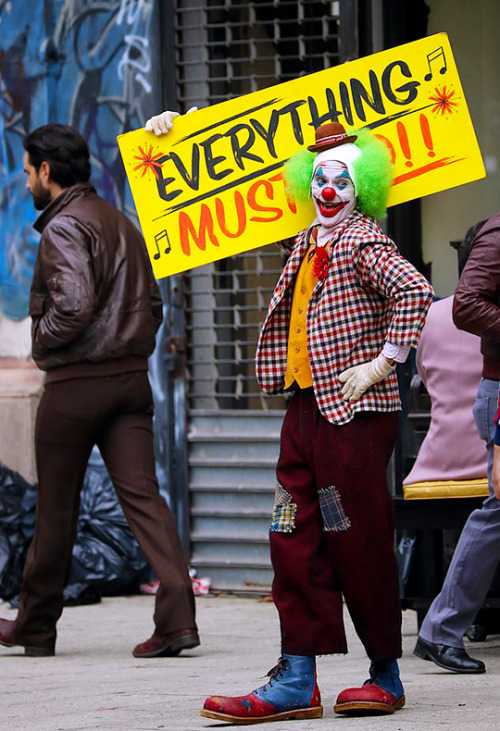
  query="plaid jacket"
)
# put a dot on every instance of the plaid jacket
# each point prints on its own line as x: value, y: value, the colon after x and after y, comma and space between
x: 371, y: 294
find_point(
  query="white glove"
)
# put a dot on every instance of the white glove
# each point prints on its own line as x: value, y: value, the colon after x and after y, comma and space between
x: 359, y: 378
x: 163, y: 123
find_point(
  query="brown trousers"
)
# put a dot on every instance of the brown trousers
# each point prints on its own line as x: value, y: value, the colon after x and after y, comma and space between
x: 114, y: 412
x: 333, y: 531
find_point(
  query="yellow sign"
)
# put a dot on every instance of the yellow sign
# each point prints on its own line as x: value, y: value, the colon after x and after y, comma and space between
x: 213, y: 186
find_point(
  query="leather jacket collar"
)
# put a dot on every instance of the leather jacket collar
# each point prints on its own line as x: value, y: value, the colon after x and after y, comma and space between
x: 61, y: 202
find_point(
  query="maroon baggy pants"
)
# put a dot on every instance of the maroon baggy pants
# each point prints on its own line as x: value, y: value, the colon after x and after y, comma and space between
x: 332, y: 532
x: 115, y: 413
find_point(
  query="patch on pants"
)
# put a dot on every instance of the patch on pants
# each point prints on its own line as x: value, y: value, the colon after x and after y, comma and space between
x: 334, y: 517
x: 283, y: 520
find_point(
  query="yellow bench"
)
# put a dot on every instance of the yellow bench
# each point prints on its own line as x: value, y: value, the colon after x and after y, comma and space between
x: 438, y: 489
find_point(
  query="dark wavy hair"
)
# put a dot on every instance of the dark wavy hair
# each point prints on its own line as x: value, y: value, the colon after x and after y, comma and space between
x: 464, y: 247
x: 64, y: 149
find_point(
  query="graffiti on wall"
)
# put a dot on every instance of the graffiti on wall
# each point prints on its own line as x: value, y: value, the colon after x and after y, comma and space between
x: 87, y: 63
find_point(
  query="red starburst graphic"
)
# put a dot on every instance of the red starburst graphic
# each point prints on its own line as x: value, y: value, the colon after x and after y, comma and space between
x: 443, y: 100
x: 148, y: 161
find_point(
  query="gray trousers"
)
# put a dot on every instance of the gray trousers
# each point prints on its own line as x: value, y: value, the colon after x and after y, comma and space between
x: 477, y: 553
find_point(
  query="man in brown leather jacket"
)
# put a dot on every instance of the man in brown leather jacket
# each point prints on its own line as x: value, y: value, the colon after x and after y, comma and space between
x: 95, y: 308
x: 475, y: 309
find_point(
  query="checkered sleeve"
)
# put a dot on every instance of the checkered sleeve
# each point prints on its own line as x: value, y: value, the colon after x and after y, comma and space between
x: 380, y: 266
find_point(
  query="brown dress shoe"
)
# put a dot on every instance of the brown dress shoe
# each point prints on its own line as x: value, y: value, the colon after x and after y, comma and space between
x: 7, y: 640
x: 7, y: 632
x: 167, y: 645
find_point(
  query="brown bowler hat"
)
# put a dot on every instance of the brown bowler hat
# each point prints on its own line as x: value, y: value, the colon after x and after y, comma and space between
x: 331, y: 135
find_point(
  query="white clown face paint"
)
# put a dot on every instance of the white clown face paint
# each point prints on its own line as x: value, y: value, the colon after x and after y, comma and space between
x: 333, y: 193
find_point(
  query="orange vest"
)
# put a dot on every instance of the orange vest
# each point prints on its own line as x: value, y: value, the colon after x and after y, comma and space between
x: 297, y: 362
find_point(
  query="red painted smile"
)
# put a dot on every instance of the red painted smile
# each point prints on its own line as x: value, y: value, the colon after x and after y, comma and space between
x: 330, y: 208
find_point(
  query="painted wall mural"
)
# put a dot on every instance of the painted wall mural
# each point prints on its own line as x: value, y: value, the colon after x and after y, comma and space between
x: 87, y: 63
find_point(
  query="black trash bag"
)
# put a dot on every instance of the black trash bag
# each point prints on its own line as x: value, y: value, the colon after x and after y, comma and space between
x: 106, y: 554
x: 78, y: 594
x: 106, y: 557
x: 7, y: 556
x: 17, y: 518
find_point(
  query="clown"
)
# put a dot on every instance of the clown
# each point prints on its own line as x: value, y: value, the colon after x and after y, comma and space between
x: 347, y: 308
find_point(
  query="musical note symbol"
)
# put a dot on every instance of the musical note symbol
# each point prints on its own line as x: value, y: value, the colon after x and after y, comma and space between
x: 433, y: 56
x: 158, y: 238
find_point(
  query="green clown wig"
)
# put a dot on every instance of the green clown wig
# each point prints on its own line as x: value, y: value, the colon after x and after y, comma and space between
x: 372, y: 172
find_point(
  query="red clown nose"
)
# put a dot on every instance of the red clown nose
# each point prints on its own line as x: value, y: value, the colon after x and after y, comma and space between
x: 328, y: 194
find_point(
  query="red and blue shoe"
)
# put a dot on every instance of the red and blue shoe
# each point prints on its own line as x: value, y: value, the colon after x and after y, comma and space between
x: 292, y: 693
x: 381, y: 693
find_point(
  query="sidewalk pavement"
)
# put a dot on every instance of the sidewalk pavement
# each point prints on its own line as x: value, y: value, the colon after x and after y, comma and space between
x: 94, y: 682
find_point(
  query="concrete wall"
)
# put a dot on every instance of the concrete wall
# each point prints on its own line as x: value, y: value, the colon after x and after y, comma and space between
x: 20, y: 387
x: 15, y: 338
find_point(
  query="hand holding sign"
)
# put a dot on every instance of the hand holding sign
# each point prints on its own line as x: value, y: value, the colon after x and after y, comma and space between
x: 162, y: 123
